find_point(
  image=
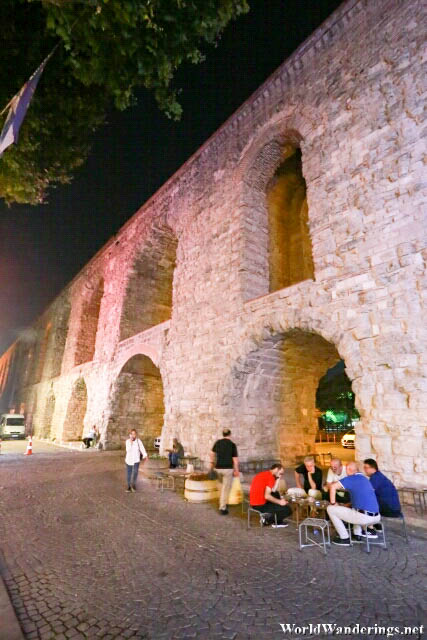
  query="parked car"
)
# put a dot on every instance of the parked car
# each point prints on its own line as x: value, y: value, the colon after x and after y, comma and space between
x: 12, y: 426
x: 157, y: 442
x: 348, y: 439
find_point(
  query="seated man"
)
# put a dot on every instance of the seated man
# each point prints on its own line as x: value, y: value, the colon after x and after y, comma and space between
x: 385, y: 491
x: 175, y: 453
x: 336, y: 472
x: 90, y: 436
x: 264, y: 499
x: 312, y: 478
x: 364, y: 506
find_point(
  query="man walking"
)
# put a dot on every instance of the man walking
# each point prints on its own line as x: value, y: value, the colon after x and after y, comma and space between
x: 364, y: 506
x: 226, y: 462
x: 135, y: 450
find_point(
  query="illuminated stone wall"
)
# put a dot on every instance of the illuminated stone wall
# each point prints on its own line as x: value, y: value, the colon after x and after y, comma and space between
x: 188, y: 280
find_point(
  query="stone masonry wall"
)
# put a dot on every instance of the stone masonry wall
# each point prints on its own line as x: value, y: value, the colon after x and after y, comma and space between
x: 229, y: 351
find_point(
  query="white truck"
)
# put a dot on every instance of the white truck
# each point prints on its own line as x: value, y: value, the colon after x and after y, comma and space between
x: 12, y: 426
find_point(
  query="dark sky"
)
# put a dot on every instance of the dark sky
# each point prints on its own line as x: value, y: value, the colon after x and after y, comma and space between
x: 43, y: 247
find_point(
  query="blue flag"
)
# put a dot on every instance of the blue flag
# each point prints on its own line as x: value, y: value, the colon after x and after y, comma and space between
x: 18, y: 108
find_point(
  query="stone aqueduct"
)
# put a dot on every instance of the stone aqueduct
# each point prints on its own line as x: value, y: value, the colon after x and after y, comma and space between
x: 294, y: 237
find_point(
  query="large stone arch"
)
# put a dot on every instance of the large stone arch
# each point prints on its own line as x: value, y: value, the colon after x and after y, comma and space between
x: 149, y: 290
x: 273, y: 389
x: 76, y: 411
x: 137, y: 402
x: 275, y: 370
x: 275, y: 236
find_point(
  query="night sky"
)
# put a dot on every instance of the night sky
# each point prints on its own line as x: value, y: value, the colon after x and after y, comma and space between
x: 43, y: 247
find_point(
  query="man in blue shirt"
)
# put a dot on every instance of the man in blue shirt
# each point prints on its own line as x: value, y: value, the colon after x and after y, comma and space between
x: 386, y: 492
x: 364, y: 506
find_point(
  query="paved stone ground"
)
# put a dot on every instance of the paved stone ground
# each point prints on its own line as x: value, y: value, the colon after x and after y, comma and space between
x: 83, y: 559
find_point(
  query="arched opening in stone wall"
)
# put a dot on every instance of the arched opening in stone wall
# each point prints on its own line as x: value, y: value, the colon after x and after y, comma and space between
x: 41, y: 354
x: 76, y: 411
x: 272, y: 395
x: 148, y: 298
x: 86, y: 338
x: 26, y: 378
x: 56, y: 346
x: 138, y: 402
x: 276, y: 243
x: 290, y: 250
x: 48, y: 416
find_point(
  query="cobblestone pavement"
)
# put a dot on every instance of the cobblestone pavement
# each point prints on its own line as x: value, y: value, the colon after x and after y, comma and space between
x: 83, y: 559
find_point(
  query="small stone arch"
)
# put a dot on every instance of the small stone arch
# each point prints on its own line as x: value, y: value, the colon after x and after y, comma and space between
x: 76, y: 411
x: 275, y: 247
x: 89, y: 317
x: 149, y: 290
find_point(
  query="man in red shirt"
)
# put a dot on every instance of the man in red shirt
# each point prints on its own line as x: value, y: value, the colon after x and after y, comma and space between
x: 263, y: 498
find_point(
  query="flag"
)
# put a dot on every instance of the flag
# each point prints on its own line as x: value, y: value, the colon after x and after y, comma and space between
x: 18, y: 108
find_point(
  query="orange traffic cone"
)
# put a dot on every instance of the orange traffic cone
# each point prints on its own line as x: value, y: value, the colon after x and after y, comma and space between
x: 29, y: 451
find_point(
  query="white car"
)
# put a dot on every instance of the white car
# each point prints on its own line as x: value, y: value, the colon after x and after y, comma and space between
x: 157, y: 442
x: 348, y: 439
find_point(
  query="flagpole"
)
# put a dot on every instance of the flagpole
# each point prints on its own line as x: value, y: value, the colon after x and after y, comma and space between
x: 43, y: 63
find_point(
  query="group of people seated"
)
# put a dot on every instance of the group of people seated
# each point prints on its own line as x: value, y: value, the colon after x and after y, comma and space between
x: 353, y: 497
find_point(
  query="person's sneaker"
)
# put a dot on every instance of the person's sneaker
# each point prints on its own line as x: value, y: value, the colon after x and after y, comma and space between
x: 344, y: 542
x: 128, y: 490
x: 133, y: 489
x: 369, y: 533
x: 281, y: 525
x: 356, y: 538
x: 378, y: 526
x: 223, y: 512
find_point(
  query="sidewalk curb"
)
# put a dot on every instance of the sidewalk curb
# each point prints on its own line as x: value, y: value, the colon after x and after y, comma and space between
x: 10, y: 629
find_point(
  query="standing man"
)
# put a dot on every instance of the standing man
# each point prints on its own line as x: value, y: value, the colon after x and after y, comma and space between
x: 263, y: 498
x: 226, y: 462
x: 135, y: 451
x: 312, y: 478
x: 364, y: 506
x: 386, y: 492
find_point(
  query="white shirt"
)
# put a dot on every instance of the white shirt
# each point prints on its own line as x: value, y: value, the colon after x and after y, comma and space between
x: 335, y: 477
x: 133, y: 450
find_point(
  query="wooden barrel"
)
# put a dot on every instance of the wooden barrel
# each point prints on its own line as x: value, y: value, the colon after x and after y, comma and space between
x: 201, y: 490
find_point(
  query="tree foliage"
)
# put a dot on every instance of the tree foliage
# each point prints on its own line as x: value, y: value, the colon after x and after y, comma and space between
x: 335, y: 394
x: 109, y: 49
